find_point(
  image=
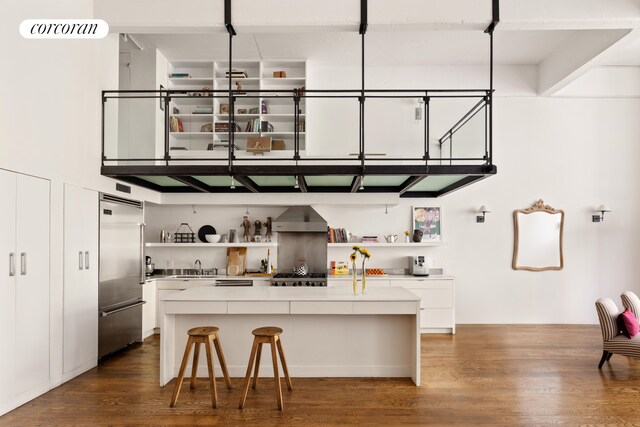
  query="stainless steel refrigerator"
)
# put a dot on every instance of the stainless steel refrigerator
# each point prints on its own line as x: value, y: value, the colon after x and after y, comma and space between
x: 122, y: 273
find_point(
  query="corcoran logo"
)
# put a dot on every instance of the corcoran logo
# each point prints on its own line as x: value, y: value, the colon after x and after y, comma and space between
x: 64, y: 29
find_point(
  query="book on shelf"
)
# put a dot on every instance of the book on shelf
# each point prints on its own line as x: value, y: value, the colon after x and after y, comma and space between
x: 253, y: 125
x: 175, y: 125
x: 301, y: 126
x: 203, y: 110
x: 265, y: 126
x: 370, y: 239
x: 236, y: 74
x: 338, y: 235
x: 179, y: 75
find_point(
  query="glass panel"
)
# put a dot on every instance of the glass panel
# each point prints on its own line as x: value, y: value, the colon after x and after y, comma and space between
x: 217, y: 181
x: 436, y: 182
x: 329, y: 181
x: 274, y: 181
x: 391, y: 127
x: 384, y: 181
x: 332, y: 128
x: 164, y: 181
x: 133, y: 128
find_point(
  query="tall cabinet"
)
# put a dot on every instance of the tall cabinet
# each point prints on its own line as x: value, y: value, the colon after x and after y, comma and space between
x: 80, y: 339
x: 24, y: 289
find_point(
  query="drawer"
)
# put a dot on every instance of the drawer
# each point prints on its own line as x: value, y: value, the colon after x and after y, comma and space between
x: 436, y: 318
x: 258, y: 307
x: 382, y: 307
x: 312, y: 307
x: 424, y: 283
x: 434, y: 298
x: 195, y: 307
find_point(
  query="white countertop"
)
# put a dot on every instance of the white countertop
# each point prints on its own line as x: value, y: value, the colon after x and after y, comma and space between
x: 212, y: 293
x: 390, y: 277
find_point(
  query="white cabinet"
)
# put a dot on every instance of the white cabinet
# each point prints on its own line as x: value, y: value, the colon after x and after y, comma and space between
x: 161, y: 293
x: 24, y: 289
x: 80, y: 323
x: 149, y: 317
x: 437, y: 305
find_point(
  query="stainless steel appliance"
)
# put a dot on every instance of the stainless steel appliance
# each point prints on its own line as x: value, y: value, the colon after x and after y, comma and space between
x: 122, y: 271
x: 302, y: 240
x: 420, y: 265
x: 234, y: 283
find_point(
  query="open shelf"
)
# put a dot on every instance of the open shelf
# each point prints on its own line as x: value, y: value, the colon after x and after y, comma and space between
x: 191, y: 135
x: 384, y: 244
x: 180, y: 81
x: 212, y: 245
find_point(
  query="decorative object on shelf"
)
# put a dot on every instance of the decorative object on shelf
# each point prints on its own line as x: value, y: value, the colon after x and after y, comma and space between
x: 263, y: 106
x: 204, y: 230
x: 268, y: 225
x: 175, y: 110
x: 206, y: 91
x: 277, y: 144
x: 238, y: 90
x: 279, y: 74
x: 258, y: 144
x: 179, y: 75
x: 163, y: 236
x: 428, y: 220
x: 407, y: 236
x: 242, y: 111
x: 258, y: 229
x: 417, y: 236
x: 339, y: 268
x: 213, y: 238
x: 175, y: 125
x: 265, y: 126
x: 224, y: 108
x: 201, y: 109
x: 375, y: 272
x: 391, y: 238
x: 254, y: 110
x: 353, y: 257
x: 233, y: 236
x: 246, y: 225
x: 537, y: 243
x: 600, y: 218
x: 184, y: 234
x: 207, y: 128
x: 483, y: 210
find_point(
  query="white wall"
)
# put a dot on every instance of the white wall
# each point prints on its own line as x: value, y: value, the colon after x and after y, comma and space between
x: 50, y: 120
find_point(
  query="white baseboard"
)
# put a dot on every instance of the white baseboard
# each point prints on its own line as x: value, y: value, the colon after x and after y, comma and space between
x: 147, y: 334
x: 23, y: 398
x: 436, y: 331
x: 66, y: 376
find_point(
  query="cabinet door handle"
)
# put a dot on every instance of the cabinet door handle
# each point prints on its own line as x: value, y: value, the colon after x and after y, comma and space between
x: 86, y: 260
x: 12, y: 264
x: 80, y: 265
x: 23, y: 263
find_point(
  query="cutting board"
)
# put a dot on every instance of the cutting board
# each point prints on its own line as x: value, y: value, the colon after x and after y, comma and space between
x: 236, y: 261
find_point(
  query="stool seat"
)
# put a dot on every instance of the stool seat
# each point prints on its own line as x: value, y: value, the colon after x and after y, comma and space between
x: 267, y: 331
x: 202, y: 331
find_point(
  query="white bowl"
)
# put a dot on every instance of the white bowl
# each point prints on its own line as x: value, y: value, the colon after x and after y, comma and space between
x: 213, y: 238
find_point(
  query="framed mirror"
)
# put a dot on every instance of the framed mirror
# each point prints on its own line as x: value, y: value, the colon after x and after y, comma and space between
x: 537, y: 243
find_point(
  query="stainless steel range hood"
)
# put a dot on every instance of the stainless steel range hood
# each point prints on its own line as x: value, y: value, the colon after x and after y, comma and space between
x: 300, y: 219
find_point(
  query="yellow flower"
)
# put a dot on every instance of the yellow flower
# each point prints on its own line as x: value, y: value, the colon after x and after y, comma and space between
x: 406, y: 232
x: 353, y: 257
x: 356, y: 248
x: 365, y: 253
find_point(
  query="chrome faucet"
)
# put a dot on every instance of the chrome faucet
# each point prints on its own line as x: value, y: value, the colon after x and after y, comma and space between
x: 198, y: 266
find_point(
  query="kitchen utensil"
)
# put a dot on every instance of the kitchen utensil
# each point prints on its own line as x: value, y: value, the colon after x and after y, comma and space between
x: 391, y: 238
x: 185, y: 234
x: 204, y: 230
x: 163, y: 236
x: 213, y: 238
x: 147, y: 260
x: 236, y: 261
x: 417, y: 236
x: 149, y: 269
x: 301, y: 269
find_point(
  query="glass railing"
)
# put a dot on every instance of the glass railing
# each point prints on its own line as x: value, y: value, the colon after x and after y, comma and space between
x: 427, y: 127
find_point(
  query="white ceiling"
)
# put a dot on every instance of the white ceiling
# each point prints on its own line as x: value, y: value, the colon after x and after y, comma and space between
x: 398, y: 48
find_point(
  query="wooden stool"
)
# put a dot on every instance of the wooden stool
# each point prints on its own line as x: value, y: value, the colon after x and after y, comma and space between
x: 202, y: 335
x: 266, y: 335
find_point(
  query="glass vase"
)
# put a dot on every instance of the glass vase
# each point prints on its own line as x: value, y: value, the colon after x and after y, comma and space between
x: 364, y: 282
x: 355, y: 282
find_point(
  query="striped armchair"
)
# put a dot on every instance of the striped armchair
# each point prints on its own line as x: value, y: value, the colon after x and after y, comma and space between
x: 613, y: 341
x: 632, y: 302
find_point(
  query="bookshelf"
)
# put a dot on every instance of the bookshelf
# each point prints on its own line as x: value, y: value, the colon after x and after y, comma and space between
x: 195, y: 112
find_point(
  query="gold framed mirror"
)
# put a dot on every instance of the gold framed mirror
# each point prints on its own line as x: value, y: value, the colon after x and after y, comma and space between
x: 537, y: 243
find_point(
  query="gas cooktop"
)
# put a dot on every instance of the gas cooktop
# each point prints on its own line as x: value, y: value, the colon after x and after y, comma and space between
x: 291, y: 279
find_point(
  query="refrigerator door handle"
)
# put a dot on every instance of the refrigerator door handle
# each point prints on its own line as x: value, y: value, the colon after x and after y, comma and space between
x: 23, y: 263
x: 142, y: 262
x: 80, y: 265
x: 117, y: 310
x: 86, y: 260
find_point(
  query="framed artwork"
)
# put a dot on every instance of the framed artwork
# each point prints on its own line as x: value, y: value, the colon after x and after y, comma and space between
x: 428, y: 219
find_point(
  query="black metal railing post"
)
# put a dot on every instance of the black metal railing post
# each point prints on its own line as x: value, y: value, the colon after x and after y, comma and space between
x: 167, y: 128
x: 296, y: 124
x: 427, y: 154
x: 103, y: 157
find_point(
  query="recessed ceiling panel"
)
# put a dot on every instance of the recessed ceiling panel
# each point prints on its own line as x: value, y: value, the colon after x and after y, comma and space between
x: 163, y: 181
x: 274, y: 181
x: 217, y: 181
x: 436, y: 182
x: 329, y: 181
x: 384, y: 180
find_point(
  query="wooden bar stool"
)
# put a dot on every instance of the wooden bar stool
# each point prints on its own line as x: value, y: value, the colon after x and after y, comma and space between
x: 266, y: 335
x: 202, y: 335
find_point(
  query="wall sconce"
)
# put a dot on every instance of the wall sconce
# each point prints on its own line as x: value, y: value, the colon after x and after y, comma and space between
x: 600, y: 218
x: 483, y: 210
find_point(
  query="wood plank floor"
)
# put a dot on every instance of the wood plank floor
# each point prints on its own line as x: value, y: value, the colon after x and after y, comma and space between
x: 491, y: 375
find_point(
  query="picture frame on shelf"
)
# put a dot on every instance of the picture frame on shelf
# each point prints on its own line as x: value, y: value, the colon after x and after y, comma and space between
x: 428, y: 219
x: 224, y: 108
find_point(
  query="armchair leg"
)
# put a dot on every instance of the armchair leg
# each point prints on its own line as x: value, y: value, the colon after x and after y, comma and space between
x: 605, y: 357
x: 609, y: 356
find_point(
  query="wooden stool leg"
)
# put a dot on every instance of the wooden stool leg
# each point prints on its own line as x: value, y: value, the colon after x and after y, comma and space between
x: 194, y: 368
x: 284, y: 364
x: 183, y: 366
x: 223, y: 363
x: 276, y: 375
x: 255, y: 371
x: 212, y: 376
x: 247, y: 377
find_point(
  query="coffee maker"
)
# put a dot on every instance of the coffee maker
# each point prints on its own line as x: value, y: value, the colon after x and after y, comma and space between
x: 419, y: 265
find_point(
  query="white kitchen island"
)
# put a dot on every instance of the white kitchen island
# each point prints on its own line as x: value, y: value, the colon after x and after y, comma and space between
x: 328, y: 332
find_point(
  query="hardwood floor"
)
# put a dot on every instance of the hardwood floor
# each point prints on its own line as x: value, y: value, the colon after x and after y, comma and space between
x: 492, y: 375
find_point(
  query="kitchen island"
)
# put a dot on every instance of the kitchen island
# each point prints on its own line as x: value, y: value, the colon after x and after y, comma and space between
x: 328, y: 332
